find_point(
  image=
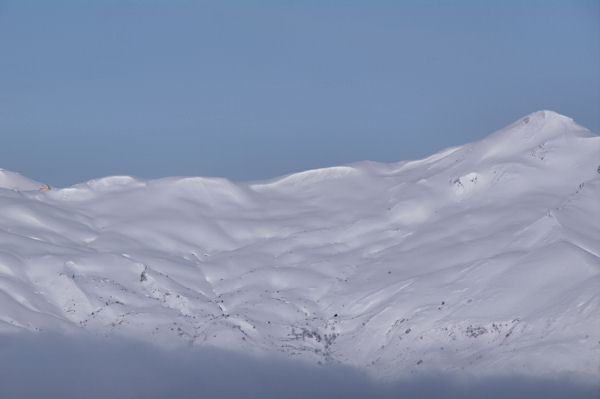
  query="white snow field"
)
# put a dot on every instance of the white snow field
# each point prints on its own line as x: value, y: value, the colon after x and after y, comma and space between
x: 482, y: 259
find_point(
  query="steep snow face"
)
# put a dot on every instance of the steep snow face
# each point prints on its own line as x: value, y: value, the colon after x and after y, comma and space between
x: 484, y: 258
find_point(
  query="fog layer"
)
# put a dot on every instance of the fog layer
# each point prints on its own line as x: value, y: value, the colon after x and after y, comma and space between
x: 66, y: 367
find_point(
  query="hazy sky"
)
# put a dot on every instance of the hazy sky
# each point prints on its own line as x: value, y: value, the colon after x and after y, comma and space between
x: 255, y: 89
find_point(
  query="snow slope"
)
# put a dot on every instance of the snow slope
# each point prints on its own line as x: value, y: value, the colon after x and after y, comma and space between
x: 482, y: 259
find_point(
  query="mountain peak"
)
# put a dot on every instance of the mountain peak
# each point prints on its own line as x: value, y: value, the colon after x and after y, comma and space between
x: 528, y: 132
x: 541, y: 124
x: 546, y: 115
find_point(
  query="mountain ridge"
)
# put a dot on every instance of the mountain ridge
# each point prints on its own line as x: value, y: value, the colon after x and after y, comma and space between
x: 452, y: 263
x: 539, y: 118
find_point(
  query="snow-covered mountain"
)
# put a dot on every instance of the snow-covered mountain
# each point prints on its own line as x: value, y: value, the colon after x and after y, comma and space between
x: 482, y: 258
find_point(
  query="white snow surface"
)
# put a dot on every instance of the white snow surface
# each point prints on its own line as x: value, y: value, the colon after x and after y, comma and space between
x: 481, y: 259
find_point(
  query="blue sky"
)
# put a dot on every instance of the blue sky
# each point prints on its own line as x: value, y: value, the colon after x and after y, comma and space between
x: 256, y: 89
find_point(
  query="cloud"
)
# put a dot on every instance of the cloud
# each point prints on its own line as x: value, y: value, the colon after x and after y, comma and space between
x: 50, y: 366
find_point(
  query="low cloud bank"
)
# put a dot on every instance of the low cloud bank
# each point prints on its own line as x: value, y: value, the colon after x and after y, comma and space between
x: 36, y: 366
